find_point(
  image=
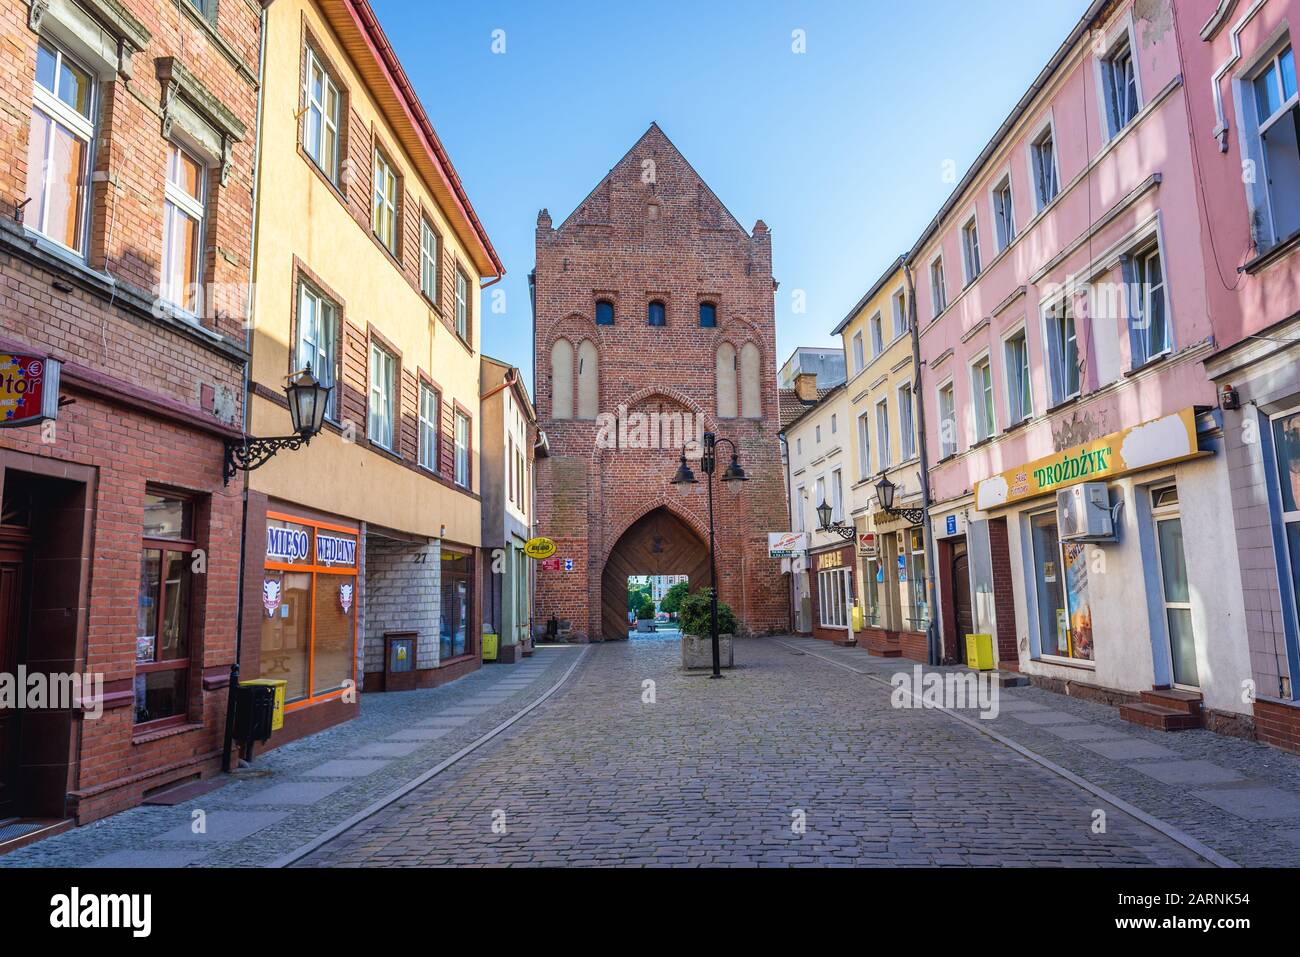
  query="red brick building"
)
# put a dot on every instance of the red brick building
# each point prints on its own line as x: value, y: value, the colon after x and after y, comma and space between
x: 654, y: 323
x: 126, y: 179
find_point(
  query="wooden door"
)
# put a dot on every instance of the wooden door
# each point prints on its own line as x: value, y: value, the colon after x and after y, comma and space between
x: 962, y: 607
x: 658, y: 544
x: 13, y: 579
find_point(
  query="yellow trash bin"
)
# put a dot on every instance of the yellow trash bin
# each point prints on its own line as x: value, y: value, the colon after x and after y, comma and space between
x: 491, y: 644
x: 857, y: 617
x: 979, y: 652
x: 279, y: 684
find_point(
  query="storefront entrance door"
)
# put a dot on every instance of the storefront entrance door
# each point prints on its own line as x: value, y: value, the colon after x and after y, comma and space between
x: 962, y: 606
x: 13, y: 576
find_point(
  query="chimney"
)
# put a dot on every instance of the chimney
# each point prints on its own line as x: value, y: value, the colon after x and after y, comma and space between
x: 805, y: 386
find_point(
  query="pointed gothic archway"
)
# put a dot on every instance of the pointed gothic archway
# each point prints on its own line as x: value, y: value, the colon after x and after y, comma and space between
x: 658, y: 543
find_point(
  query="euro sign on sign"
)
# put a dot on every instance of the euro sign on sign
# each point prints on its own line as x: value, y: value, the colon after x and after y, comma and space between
x: 29, y: 389
x: 539, y: 548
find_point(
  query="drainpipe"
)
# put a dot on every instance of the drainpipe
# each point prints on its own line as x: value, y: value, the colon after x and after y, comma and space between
x: 918, y: 396
x: 229, y: 737
x: 789, y: 503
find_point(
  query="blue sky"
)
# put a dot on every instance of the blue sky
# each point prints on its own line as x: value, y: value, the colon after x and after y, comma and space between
x: 840, y: 149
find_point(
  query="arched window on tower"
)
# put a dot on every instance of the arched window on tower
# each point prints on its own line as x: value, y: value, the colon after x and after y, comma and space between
x: 726, y: 381
x: 656, y: 314
x: 562, y: 379
x: 588, y: 380
x: 604, y: 313
x: 708, y: 315
x: 750, y: 393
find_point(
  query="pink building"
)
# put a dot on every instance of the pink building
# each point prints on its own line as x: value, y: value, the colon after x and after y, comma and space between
x: 1066, y: 313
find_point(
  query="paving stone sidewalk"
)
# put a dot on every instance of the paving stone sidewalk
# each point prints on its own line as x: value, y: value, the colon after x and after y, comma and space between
x: 1240, y: 798
x: 787, y: 762
x: 299, y: 791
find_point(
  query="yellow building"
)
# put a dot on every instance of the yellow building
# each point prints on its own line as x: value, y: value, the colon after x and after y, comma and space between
x: 368, y: 264
x: 885, y: 442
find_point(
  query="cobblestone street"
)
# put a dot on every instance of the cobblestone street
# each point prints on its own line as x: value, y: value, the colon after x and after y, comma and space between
x: 719, y: 773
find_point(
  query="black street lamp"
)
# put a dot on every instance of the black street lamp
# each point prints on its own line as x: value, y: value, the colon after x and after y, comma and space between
x: 733, y: 473
x: 885, y: 493
x: 846, y: 532
x: 308, y: 400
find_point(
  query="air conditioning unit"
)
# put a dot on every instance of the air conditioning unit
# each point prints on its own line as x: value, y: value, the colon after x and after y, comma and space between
x: 1083, y: 513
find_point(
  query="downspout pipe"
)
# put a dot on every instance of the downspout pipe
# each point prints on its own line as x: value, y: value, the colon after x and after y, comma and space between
x: 229, y: 736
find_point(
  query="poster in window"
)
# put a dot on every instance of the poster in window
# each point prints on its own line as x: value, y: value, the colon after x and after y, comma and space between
x: 1076, y: 588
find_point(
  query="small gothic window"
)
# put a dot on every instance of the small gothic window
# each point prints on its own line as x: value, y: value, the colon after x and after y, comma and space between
x: 708, y: 315
x: 655, y: 314
x: 604, y: 313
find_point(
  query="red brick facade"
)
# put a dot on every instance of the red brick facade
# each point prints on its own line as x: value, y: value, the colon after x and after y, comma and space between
x: 151, y: 395
x: 653, y: 231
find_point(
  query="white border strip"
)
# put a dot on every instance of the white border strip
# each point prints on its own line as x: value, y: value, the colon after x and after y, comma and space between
x: 1168, y: 830
x: 351, y: 822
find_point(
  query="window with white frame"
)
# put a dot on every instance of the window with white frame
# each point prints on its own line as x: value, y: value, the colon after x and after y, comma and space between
x: 900, y: 313
x: 864, y: 445
x: 430, y: 256
x: 906, y: 423
x: 59, y: 148
x: 819, y: 489
x: 1286, y: 455
x: 184, y: 199
x: 859, y: 352
x: 882, y: 434
x: 938, y: 288
x: 383, y: 207
x: 1062, y: 351
x: 834, y: 423
x: 429, y: 413
x: 834, y: 594
x: 817, y: 434
x: 383, y: 397
x: 837, y: 496
x: 1276, y: 130
x: 1148, y: 307
x: 877, y: 335
x: 318, y: 340
x: 947, y: 421
x: 1015, y: 355
x: 800, y: 504
x: 462, y: 304
x: 1119, y: 85
x: 1042, y: 152
x: 1004, y: 214
x: 462, y: 449
x: 970, y: 250
x: 321, y: 100
x: 981, y: 382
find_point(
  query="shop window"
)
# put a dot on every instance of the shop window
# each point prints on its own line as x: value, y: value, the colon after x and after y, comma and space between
x: 1061, y: 586
x: 164, y: 616
x: 457, y: 604
x: 875, y: 577
x: 1175, y: 591
x: 834, y: 596
x: 183, y: 229
x: 318, y: 341
x: 59, y: 148
x: 309, y: 602
x: 1286, y: 442
x: 911, y: 575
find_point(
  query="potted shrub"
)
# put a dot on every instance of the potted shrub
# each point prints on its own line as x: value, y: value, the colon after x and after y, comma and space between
x: 645, y: 615
x: 695, y: 617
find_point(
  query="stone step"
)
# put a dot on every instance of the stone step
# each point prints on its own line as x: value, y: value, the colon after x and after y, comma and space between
x: 1188, y: 702
x: 1010, y: 679
x: 1158, y: 717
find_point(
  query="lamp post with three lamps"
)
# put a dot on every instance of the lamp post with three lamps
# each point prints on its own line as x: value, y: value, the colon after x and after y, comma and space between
x: 733, y: 473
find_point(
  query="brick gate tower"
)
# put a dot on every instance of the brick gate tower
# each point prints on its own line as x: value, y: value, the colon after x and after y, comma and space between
x: 654, y: 323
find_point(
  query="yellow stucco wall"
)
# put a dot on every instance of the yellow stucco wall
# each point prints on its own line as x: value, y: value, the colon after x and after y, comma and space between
x: 301, y: 216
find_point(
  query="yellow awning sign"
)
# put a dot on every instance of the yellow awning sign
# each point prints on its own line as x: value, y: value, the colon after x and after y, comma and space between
x: 1158, y: 442
x: 539, y: 548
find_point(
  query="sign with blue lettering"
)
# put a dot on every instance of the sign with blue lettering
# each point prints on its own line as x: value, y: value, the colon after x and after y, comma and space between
x: 952, y: 525
x: 331, y: 550
x: 287, y: 544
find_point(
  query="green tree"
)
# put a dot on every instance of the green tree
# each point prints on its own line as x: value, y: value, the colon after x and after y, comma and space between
x: 673, y: 598
x: 646, y: 610
x: 636, y: 594
x: 696, y: 615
